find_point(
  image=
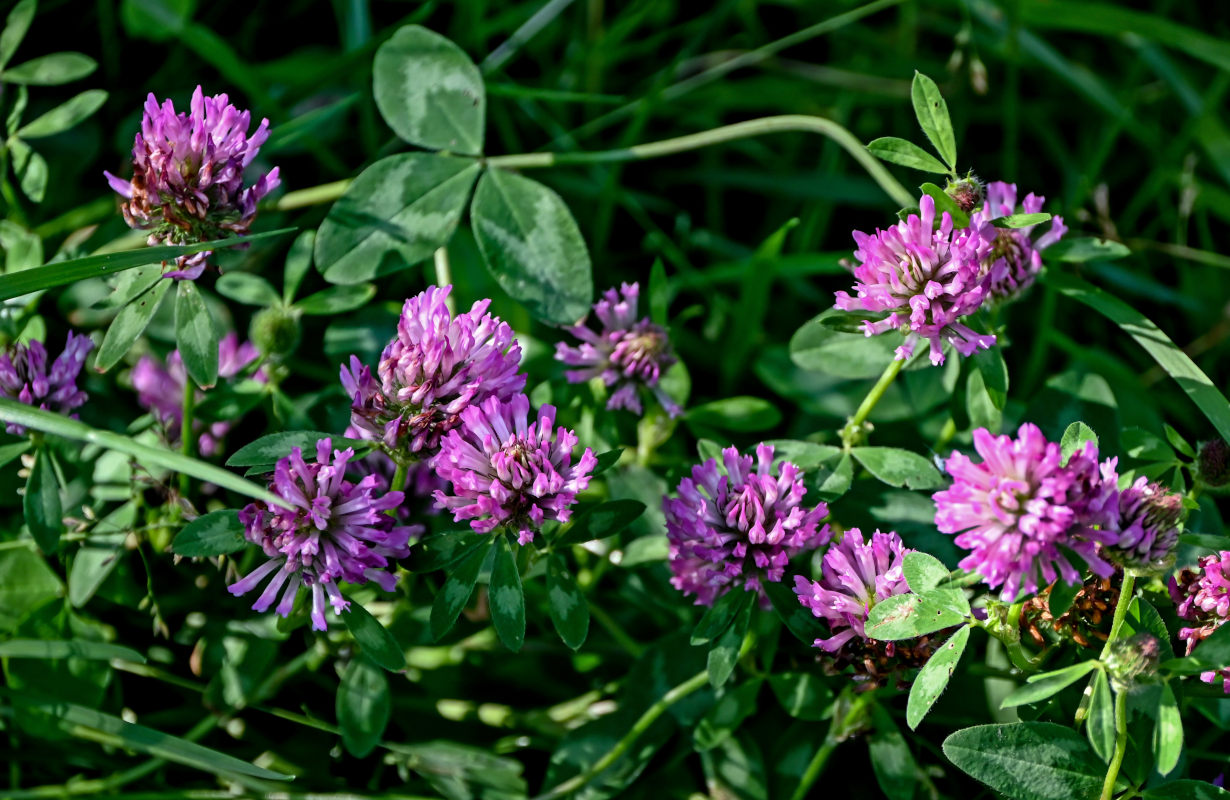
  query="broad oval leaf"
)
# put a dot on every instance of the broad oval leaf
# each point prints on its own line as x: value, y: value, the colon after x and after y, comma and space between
x: 898, y: 467
x: 271, y: 448
x: 600, y: 521
x: 1186, y: 790
x: 363, y: 707
x: 819, y: 348
x: 396, y: 213
x: 532, y: 246
x: 247, y: 288
x: 507, y: 597
x: 1167, y: 733
x: 374, y: 639
x: 1074, y: 437
x: 196, y: 335
x: 803, y: 695
x: 933, y: 678
x: 429, y: 91
x: 1100, y: 727
x: 726, y: 715
x: 1028, y: 760
x: 720, y: 616
x: 15, y: 27
x: 905, y: 153
x: 932, y: 113
x: 1020, y: 220
x: 1085, y: 248
x: 129, y: 324
x: 923, y: 572
x: 905, y: 616
x: 442, y: 549
x: 64, y: 116
x: 50, y: 70
x: 41, y: 503
x: 214, y: 534
x: 1040, y: 687
x: 567, y: 604
x: 454, y: 595
x: 740, y: 414
x: 337, y: 299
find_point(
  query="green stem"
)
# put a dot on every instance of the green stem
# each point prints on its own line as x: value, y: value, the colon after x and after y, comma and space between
x: 621, y: 637
x: 1121, y: 734
x: 312, y: 196
x: 692, y: 684
x: 327, y: 193
x: 839, y: 728
x: 1121, y: 609
x: 852, y: 434
x: 444, y: 277
x: 185, y: 429
x: 1012, y: 642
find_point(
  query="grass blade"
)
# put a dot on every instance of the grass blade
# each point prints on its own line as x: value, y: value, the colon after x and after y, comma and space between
x: 1165, y: 352
x: 47, y: 422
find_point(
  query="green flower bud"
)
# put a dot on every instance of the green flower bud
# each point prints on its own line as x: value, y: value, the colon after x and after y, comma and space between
x: 968, y: 192
x: 275, y: 332
x: 1213, y: 462
x: 1133, y: 661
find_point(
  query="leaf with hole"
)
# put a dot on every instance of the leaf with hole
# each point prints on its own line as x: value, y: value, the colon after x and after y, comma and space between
x: 933, y: 678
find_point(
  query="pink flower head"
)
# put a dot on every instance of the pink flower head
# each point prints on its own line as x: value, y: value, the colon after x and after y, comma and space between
x: 1203, y: 597
x: 1014, y: 260
x: 334, y: 531
x: 188, y: 176
x: 926, y: 278
x: 627, y: 353
x: 1146, y: 523
x: 741, y: 527
x: 1021, y: 508
x: 438, y: 366
x: 855, y: 575
x: 505, y: 470
x: 160, y: 389
x: 26, y: 378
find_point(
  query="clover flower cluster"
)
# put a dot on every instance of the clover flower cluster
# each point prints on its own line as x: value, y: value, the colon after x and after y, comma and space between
x: 188, y: 176
x: 25, y: 376
x: 926, y: 277
x: 855, y: 575
x: 507, y: 471
x: 332, y: 530
x: 628, y: 354
x: 739, y: 527
x: 1202, y: 596
x: 160, y: 390
x: 436, y: 367
x: 1023, y: 509
x: 1015, y: 258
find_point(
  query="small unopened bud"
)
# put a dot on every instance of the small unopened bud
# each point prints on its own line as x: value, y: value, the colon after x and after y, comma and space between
x: 1134, y: 660
x: 1213, y: 462
x: 967, y: 192
x: 275, y: 332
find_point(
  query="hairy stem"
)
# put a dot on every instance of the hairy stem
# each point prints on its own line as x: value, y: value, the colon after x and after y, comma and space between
x: 1121, y: 608
x: 327, y: 193
x: 697, y: 681
x: 1121, y: 734
x: 444, y: 277
x: 852, y: 433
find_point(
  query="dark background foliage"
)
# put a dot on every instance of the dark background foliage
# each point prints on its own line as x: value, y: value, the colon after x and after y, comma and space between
x: 1114, y: 112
